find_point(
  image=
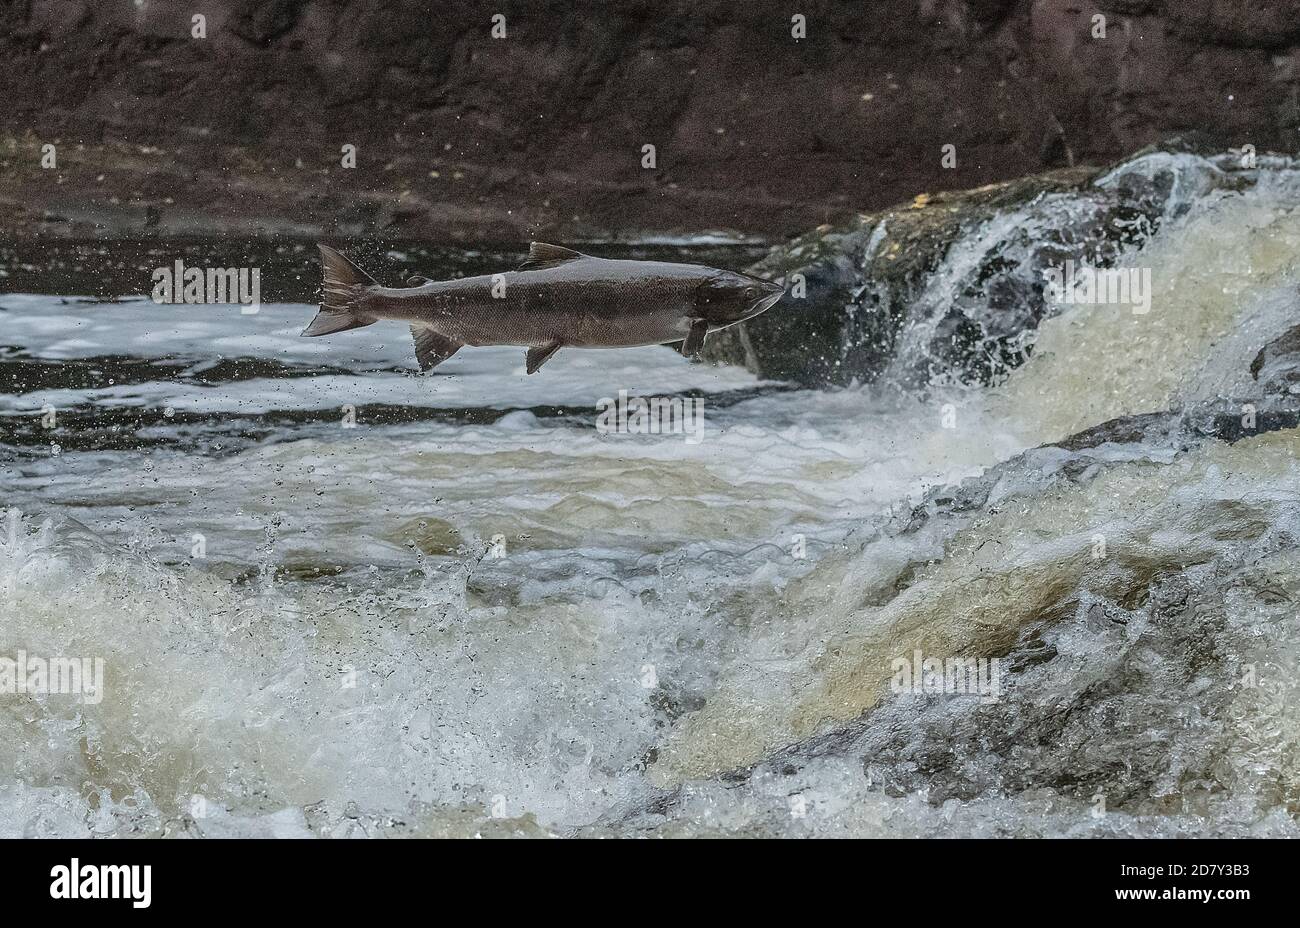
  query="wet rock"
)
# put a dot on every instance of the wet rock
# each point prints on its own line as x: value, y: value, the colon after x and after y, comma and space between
x: 1274, y: 406
x: 1126, y: 430
x: 952, y: 286
x: 1277, y: 366
x: 1077, y: 710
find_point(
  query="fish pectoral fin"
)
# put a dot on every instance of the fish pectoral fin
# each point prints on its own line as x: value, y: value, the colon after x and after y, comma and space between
x: 417, y: 281
x: 541, y: 255
x: 695, y: 341
x: 539, y: 356
x: 431, y: 348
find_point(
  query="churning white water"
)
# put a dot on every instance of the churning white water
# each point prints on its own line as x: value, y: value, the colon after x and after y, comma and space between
x: 487, y: 617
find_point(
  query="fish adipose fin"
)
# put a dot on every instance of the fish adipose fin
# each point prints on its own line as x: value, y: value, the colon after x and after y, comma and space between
x: 539, y: 356
x: 431, y: 349
x: 542, y: 255
x: 695, y: 341
x: 344, y: 285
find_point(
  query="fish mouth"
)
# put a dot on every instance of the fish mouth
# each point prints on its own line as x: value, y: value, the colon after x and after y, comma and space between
x: 767, y: 302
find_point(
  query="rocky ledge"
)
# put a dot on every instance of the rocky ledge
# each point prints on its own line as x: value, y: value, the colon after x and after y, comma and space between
x: 954, y: 284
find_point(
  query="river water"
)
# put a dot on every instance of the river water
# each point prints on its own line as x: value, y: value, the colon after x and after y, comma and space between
x: 335, y: 597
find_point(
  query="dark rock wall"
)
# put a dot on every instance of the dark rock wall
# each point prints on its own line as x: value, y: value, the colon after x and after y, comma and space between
x: 541, y: 132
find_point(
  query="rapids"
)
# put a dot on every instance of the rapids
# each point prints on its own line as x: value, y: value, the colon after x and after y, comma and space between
x: 336, y: 598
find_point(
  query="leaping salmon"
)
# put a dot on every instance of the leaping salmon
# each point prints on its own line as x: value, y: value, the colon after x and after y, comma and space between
x: 558, y: 298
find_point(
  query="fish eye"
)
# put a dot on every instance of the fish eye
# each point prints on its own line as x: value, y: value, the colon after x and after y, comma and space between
x: 751, y: 293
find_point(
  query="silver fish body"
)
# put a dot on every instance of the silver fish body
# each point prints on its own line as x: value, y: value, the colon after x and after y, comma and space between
x: 558, y: 298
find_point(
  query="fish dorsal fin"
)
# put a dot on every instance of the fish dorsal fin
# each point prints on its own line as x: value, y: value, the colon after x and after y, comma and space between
x: 542, y: 255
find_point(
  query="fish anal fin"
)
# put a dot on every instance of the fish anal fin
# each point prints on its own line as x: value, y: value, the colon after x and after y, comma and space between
x: 432, y: 348
x: 542, y: 255
x: 695, y: 340
x: 540, y: 355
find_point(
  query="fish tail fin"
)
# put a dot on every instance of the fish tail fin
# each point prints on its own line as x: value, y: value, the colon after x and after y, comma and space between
x: 343, y: 288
